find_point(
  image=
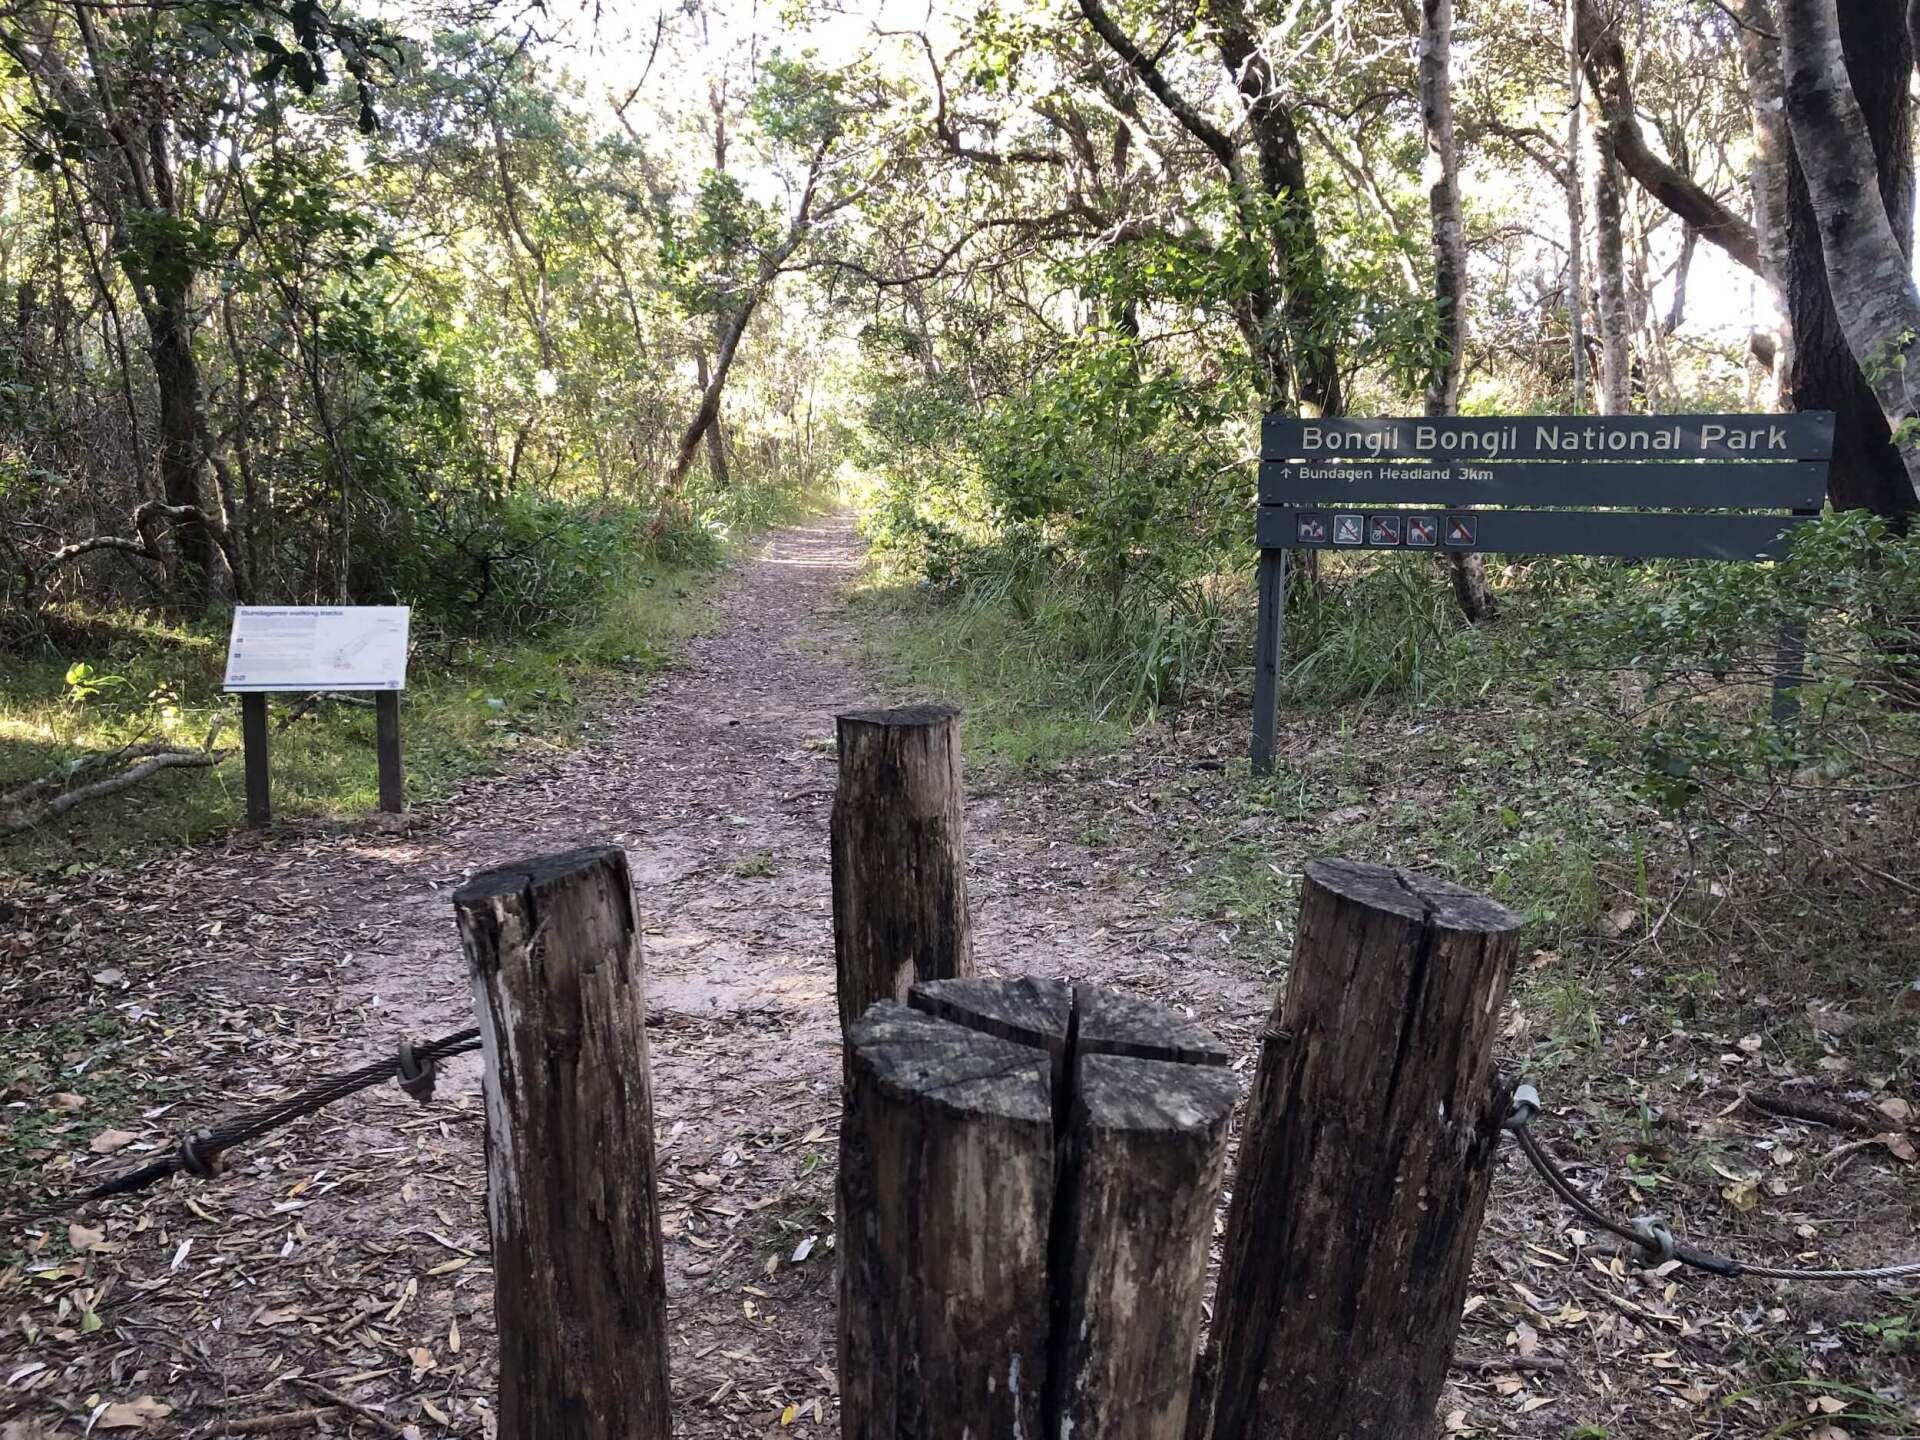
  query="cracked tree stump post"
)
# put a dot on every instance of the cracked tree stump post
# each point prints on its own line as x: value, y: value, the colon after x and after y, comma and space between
x: 899, y: 855
x: 553, y: 945
x: 1028, y: 1178
x: 1365, y: 1162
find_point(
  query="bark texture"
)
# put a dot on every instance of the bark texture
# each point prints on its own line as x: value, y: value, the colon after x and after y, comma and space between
x: 899, y: 852
x: 1864, y: 249
x: 1576, y: 220
x: 1613, y: 394
x: 946, y: 1185
x: 1772, y: 150
x: 1028, y: 1180
x: 553, y: 946
x: 1867, y: 471
x: 1365, y: 1163
x: 1467, y: 572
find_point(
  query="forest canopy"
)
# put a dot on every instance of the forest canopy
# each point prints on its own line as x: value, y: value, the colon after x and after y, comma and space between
x: 456, y: 306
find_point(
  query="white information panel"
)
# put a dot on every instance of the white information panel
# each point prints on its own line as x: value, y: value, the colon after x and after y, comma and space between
x: 318, y: 647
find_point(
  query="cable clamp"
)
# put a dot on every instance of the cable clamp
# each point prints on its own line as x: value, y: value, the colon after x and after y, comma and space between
x: 1655, y: 1239
x: 197, y: 1156
x: 416, y: 1075
x: 1523, y: 1107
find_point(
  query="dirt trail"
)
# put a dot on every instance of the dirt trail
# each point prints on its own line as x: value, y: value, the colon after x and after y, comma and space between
x: 349, y: 1252
x: 346, y: 1256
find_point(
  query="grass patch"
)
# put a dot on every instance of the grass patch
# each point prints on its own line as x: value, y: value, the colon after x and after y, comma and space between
x: 1022, y: 681
x: 469, y: 707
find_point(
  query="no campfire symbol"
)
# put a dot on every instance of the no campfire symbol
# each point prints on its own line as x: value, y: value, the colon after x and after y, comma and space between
x: 1346, y: 530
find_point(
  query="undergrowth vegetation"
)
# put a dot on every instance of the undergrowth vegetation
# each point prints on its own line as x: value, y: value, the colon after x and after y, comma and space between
x: 1603, y: 757
x: 575, y: 598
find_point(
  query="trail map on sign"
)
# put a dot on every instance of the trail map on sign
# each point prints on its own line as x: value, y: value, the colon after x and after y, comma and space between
x: 315, y: 647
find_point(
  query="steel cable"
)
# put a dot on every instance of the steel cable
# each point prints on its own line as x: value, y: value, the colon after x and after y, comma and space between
x: 1653, y: 1238
x: 195, y: 1153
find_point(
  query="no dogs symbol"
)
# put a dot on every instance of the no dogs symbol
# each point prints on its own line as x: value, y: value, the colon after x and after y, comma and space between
x: 1311, y: 530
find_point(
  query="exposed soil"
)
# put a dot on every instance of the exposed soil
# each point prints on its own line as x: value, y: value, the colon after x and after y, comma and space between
x: 347, y: 1254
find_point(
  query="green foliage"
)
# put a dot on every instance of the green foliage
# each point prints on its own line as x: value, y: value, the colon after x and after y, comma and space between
x: 1702, y: 641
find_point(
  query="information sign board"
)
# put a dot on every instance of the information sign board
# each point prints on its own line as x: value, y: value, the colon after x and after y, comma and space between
x: 317, y: 647
x: 1711, y: 487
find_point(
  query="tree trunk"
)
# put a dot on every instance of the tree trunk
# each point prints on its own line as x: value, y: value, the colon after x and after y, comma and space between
x: 1772, y: 154
x: 1467, y: 572
x: 1852, y: 197
x: 553, y: 947
x: 1366, y: 1160
x: 716, y: 432
x: 177, y: 383
x: 899, y: 852
x: 708, y: 412
x: 1613, y: 395
x: 1576, y: 221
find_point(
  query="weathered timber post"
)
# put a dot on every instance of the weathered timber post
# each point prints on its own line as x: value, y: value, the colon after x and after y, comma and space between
x: 1365, y: 1162
x: 553, y: 945
x: 899, y: 855
x: 1028, y: 1177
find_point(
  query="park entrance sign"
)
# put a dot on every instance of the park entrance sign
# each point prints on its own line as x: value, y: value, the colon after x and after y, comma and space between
x: 318, y: 648
x: 1704, y: 487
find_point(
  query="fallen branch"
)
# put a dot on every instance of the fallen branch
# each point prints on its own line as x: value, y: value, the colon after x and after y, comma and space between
x: 285, y: 1420
x: 1819, y: 1112
x: 52, y: 796
x: 365, y: 1412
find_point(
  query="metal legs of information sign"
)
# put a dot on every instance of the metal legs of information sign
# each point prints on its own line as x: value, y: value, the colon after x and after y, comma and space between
x: 318, y: 648
x: 1705, y: 487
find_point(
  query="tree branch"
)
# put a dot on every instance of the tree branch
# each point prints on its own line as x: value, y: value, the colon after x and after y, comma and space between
x: 1606, y: 67
x: 1197, y: 125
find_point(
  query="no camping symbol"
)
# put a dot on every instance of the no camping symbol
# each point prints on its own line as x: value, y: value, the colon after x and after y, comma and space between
x: 1460, y: 530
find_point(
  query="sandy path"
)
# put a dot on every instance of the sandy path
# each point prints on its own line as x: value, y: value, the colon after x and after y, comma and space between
x: 350, y: 1251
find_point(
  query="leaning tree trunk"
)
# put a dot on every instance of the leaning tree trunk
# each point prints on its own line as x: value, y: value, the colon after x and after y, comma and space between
x: 1467, y: 571
x: 1853, y: 200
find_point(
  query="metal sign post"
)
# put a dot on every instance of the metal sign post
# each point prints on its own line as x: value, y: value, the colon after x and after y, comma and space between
x: 318, y: 648
x: 1703, y: 487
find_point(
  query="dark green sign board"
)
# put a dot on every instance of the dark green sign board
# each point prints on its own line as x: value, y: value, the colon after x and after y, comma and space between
x: 1702, y: 487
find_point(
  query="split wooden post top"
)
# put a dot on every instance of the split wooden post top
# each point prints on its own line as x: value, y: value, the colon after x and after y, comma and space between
x: 1028, y: 1179
x: 899, y: 851
x: 1365, y: 1161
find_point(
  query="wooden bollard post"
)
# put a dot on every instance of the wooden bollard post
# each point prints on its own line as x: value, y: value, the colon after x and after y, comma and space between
x: 553, y: 945
x: 899, y: 855
x: 1028, y: 1177
x: 1365, y: 1163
